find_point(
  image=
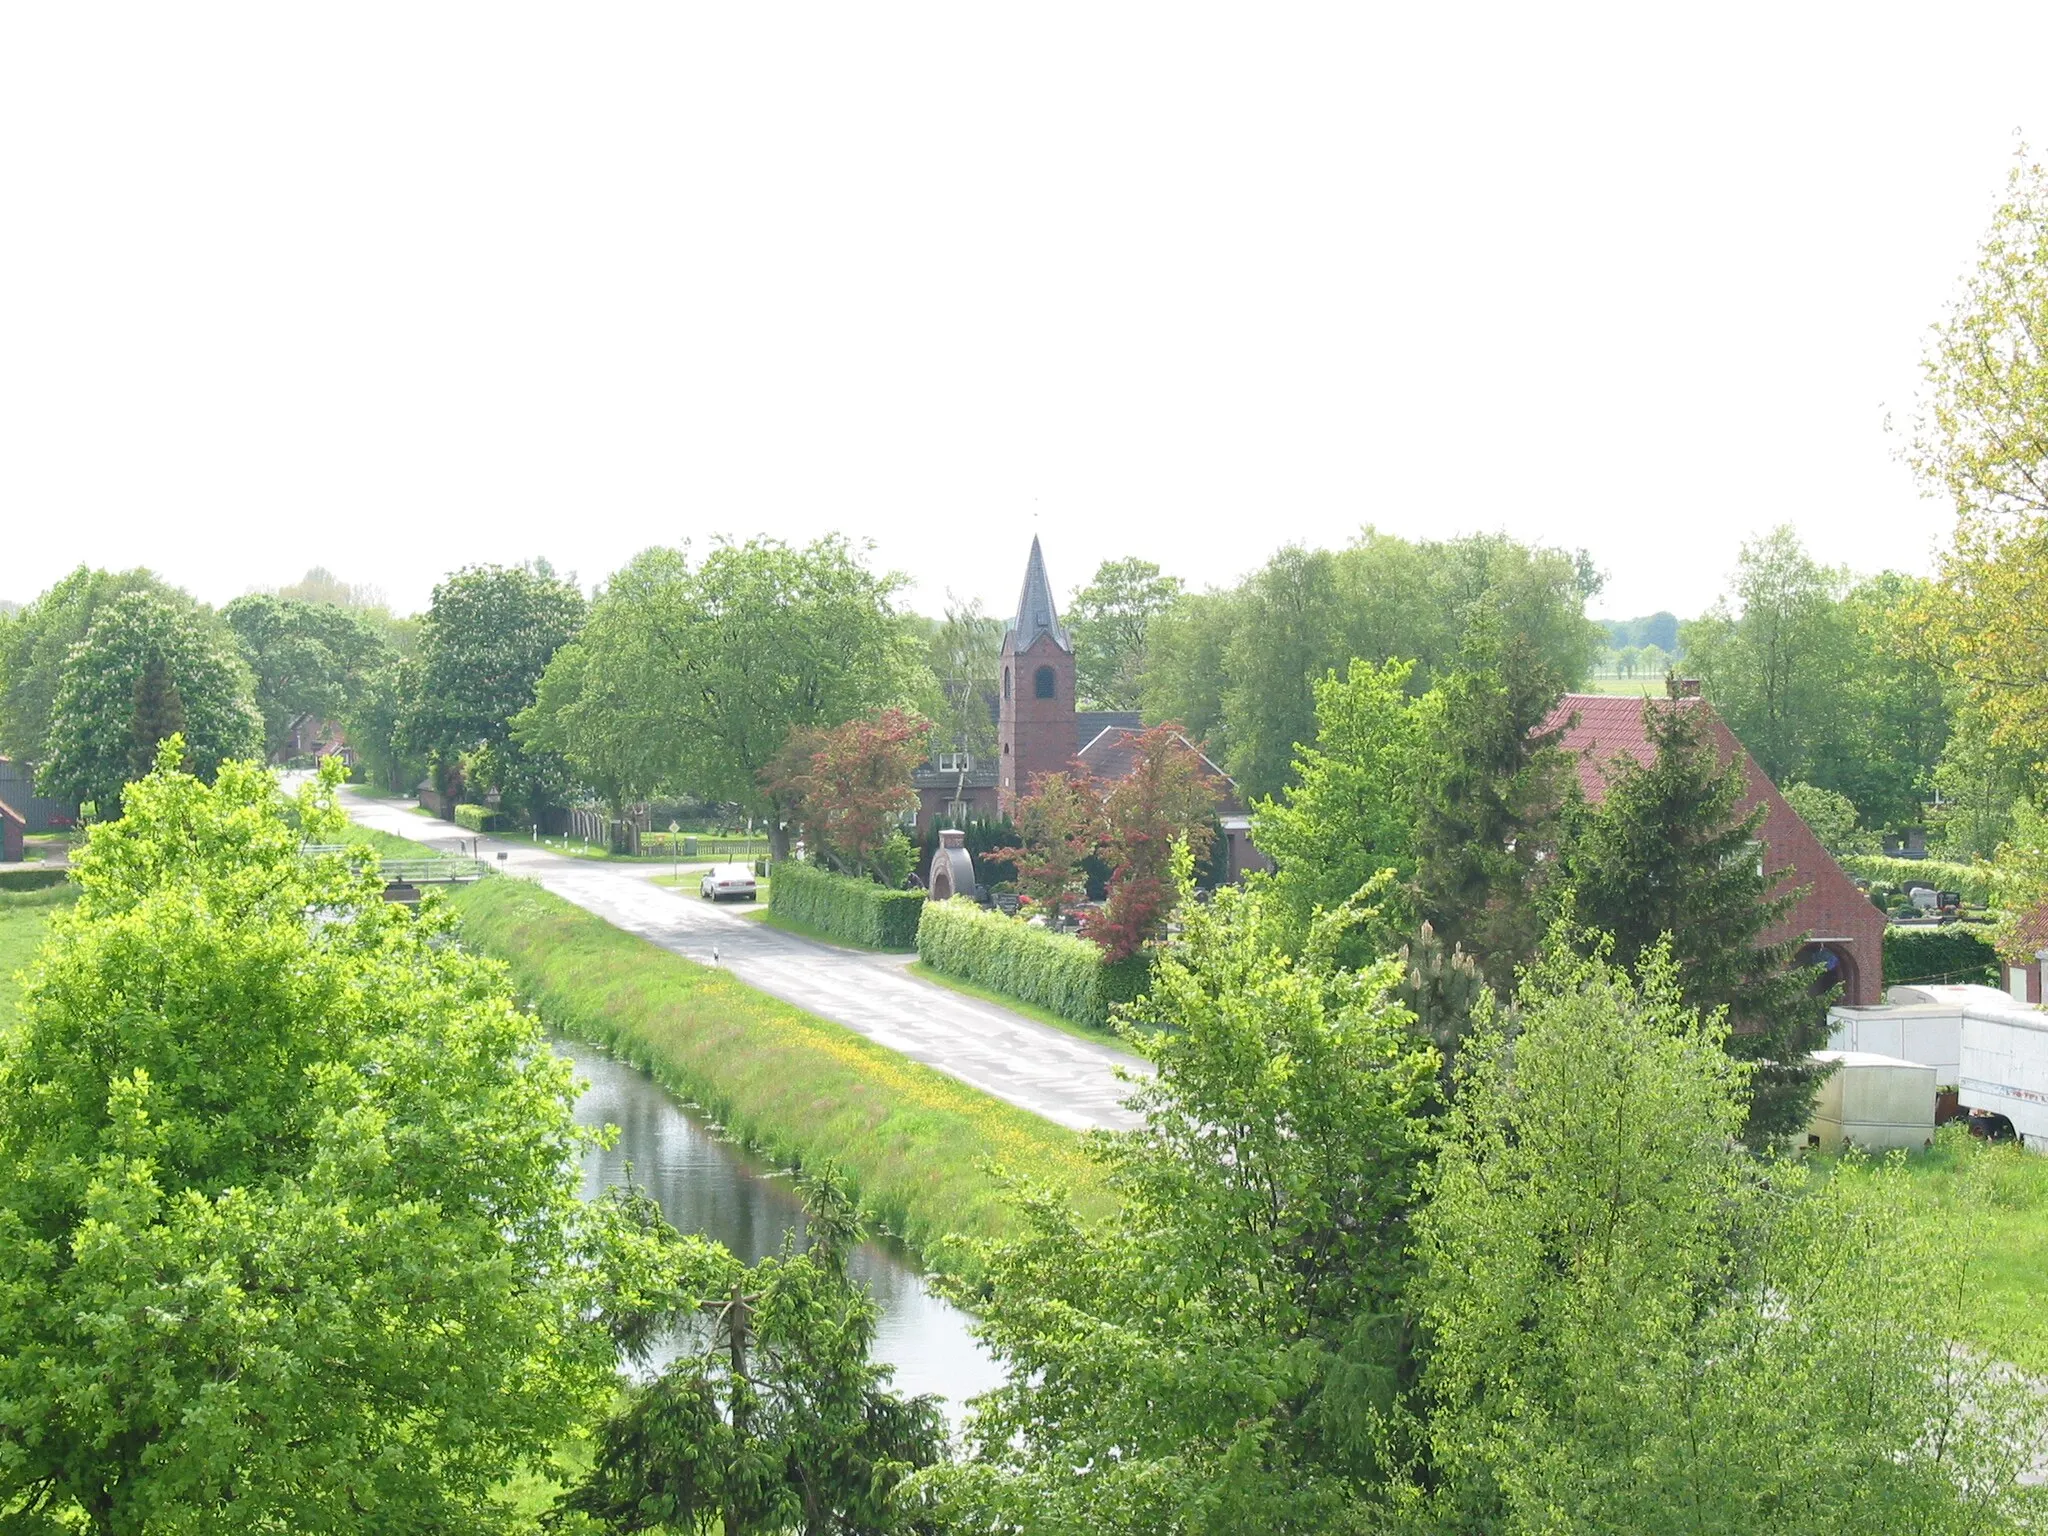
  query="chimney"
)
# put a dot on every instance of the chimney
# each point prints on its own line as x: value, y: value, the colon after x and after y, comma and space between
x: 952, y: 837
x: 1682, y: 687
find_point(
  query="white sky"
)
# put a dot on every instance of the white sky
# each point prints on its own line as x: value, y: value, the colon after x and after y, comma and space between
x: 393, y: 288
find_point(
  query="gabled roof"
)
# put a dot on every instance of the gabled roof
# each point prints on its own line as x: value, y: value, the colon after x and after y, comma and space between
x: 1036, y: 615
x: 1114, y: 753
x: 1600, y: 727
x: 1091, y: 723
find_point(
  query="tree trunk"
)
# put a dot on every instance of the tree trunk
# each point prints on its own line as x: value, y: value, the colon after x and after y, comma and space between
x: 778, y: 834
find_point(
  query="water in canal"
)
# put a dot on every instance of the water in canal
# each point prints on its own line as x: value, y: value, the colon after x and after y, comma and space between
x: 709, y: 1186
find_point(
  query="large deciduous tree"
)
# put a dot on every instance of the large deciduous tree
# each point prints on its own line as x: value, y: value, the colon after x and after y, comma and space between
x: 1224, y: 1353
x: 307, y: 659
x: 966, y: 659
x: 148, y: 669
x: 1108, y: 619
x: 1669, y: 857
x: 289, y: 1231
x: 1636, y: 1327
x: 1352, y: 810
x: 488, y: 636
x: 848, y: 786
x: 1981, y: 438
x: 723, y: 659
x: 34, y: 648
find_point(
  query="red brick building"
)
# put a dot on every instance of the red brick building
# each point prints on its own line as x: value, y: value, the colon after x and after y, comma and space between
x: 1843, y: 931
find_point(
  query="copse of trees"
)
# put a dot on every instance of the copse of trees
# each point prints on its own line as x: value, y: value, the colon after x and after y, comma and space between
x: 1238, y: 667
x: 36, y: 645
x: 307, y: 658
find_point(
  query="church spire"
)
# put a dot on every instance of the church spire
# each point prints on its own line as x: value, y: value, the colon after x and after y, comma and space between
x: 1035, y: 613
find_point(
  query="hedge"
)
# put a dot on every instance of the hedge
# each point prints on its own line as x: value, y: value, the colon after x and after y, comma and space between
x: 1979, y: 884
x: 477, y: 818
x: 1053, y: 970
x: 858, y: 911
x: 1948, y: 953
x: 32, y: 879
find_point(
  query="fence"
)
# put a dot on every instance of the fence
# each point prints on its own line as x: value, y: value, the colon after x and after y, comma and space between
x: 704, y: 846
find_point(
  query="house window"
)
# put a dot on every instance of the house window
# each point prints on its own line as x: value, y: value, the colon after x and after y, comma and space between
x: 955, y: 762
x: 1044, y: 684
x: 956, y: 812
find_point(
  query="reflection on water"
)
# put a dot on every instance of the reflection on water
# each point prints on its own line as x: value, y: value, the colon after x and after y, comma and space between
x: 707, y: 1186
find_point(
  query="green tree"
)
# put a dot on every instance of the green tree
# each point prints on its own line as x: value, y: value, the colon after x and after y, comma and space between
x: 34, y: 648
x: 848, y: 787
x: 146, y: 670
x: 722, y: 660
x: 1224, y: 1352
x: 1637, y: 1327
x: 1352, y: 810
x: 966, y: 652
x: 1831, y: 817
x: 490, y: 633
x: 1670, y: 857
x: 779, y: 1421
x: 1108, y: 619
x: 1167, y: 801
x: 288, y: 1237
x: 307, y: 659
x: 1489, y: 806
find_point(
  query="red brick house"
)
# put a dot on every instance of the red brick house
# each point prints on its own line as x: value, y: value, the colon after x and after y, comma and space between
x: 1843, y: 931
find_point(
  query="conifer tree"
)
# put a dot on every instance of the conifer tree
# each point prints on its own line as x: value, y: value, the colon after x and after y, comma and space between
x: 1489, y: 816
x: 1670, y: 851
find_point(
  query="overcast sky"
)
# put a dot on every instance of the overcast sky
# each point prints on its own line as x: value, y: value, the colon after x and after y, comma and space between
x: 395, y: 288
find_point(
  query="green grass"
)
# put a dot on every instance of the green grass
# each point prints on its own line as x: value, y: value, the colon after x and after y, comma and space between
x: 1015, y: 1004
x: 1626, y: 687
x: 917, y: 1144
x: 2004, y: 1315
x: 24, y: 917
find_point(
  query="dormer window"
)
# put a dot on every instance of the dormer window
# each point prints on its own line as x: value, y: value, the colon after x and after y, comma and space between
x: 955, y: 762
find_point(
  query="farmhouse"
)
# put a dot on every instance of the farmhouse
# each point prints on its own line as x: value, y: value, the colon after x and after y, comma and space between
x: 1844, y: 933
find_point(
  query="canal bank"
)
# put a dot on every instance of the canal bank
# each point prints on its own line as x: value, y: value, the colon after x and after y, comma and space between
x: 926, y: 1153
x: 714, y: 1187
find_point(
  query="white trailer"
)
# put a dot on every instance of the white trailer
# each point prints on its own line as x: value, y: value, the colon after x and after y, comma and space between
x: 1993, y: 1048
x: 1877, y: 1103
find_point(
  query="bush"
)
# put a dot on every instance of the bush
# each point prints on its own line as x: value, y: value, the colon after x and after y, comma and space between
x: 1980, y: 884
x: 1055, y: 971
x: 1950, y: 953
x: 32, y: 879
x: 858, y: 911
x: 477, y: 818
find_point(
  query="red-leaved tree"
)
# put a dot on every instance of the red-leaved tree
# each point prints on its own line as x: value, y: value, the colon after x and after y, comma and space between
x: 1059, y: 824
x: 1167, y: 797
x: 850, y: 784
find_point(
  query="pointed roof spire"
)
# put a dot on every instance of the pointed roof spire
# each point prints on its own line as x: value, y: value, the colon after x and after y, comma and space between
x: 1035, y: 613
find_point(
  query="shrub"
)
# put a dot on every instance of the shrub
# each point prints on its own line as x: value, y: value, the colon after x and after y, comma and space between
x: 1949, y: 953
x: 1066, y: 975
x: 32, y: 879
x: 477, y: 818
x: 858, y: 911
x: 1980, y: 884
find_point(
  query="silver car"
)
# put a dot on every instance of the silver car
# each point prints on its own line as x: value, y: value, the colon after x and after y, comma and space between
x: 723, y: 880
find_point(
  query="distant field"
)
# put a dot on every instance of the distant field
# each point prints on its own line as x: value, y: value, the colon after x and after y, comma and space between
x: 1627, y: 687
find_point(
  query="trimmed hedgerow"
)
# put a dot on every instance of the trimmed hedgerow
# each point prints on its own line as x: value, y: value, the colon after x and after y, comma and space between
x: 1949, y: 953
x: 477, y: 818
x: 31, y: 879
x: 1053, y: 970
x: 1983, y: 885
x: 858, y: 911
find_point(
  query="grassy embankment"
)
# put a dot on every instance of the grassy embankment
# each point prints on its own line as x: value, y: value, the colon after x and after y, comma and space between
x: 920, y: 1146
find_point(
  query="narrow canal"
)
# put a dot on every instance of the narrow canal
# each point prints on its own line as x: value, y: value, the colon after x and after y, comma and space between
x: 709, y: 1186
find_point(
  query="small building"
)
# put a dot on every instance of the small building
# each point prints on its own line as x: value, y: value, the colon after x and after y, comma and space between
x: 13, y: 827
x: 40, y: 813
x: 1843, y: 932
x: 1873, y: 1102
x: 2026, y: 983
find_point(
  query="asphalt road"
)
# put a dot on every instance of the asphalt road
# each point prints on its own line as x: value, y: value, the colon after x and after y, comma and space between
x: 1068, y: 1080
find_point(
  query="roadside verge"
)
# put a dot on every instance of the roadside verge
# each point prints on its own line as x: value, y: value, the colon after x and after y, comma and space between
x: 917, y: 1144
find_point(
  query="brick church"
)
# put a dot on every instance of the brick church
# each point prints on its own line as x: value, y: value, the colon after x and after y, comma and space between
x: 1040, y: 730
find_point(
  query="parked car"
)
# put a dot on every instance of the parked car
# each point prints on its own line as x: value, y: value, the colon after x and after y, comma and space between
x: 723, y: 880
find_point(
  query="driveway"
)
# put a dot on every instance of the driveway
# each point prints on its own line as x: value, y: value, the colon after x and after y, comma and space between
x: 1070, y: 1081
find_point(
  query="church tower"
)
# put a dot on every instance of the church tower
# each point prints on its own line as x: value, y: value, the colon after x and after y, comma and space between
x: 1036, y: 722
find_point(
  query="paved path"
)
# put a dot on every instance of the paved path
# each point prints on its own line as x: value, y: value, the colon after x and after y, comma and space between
x: 1054, y: 1074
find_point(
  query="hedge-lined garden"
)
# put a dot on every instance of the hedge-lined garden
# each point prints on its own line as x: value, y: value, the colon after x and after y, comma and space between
x: 858, y: 911
x: 1055, y: 971
x: 1950, y: 953
x: 1981, y: 885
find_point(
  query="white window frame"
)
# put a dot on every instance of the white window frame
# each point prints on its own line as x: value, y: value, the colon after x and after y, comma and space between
x: 955, y: 762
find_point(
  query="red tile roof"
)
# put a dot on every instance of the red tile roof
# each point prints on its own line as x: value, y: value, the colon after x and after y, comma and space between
x: 1600, y: 727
